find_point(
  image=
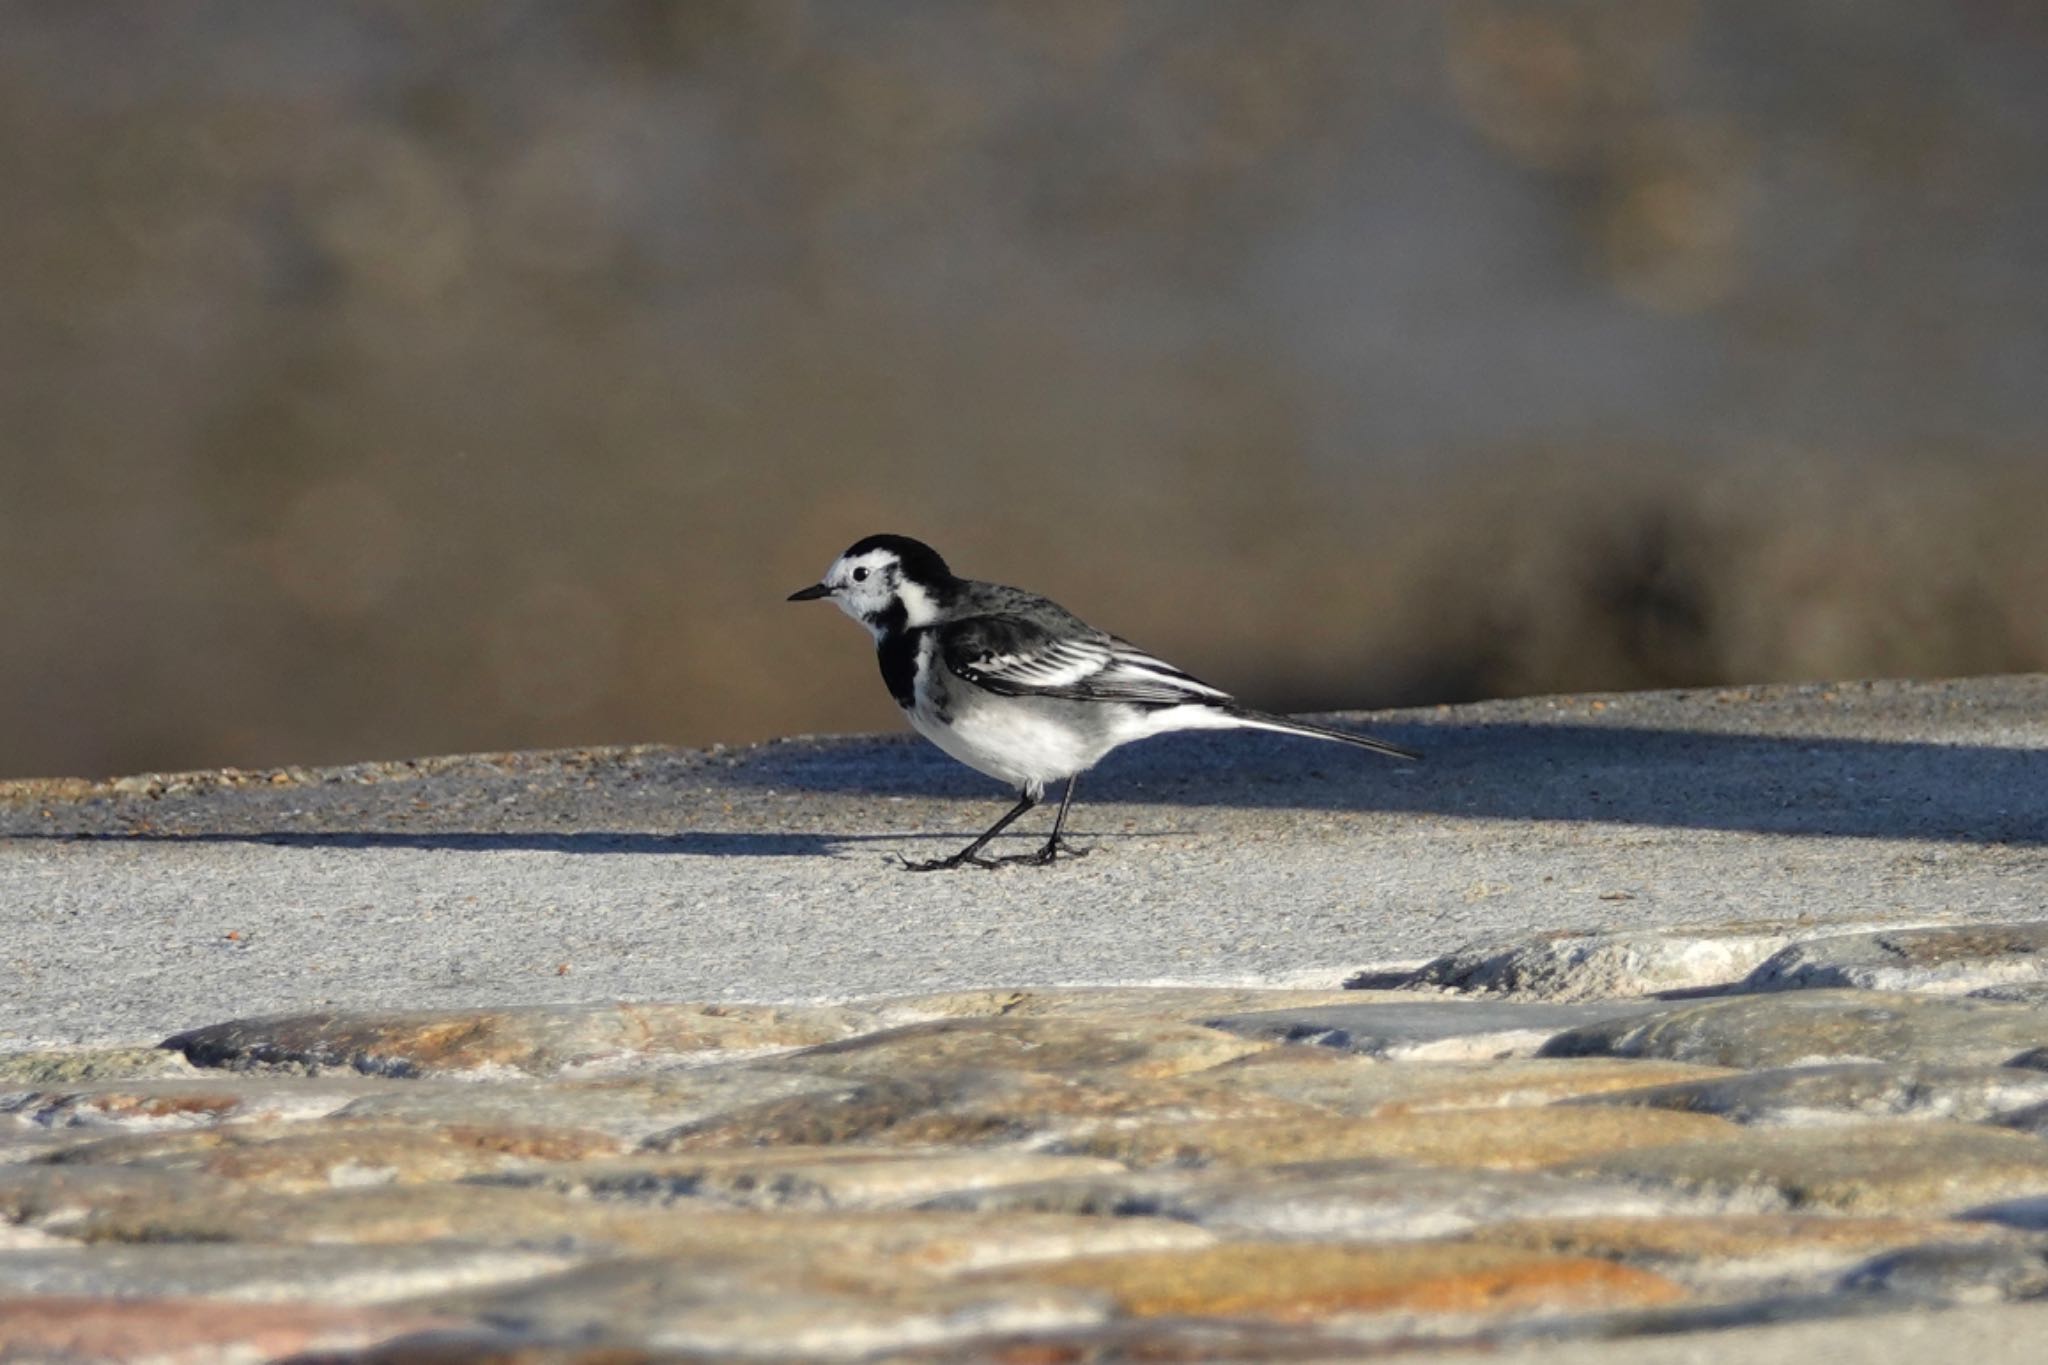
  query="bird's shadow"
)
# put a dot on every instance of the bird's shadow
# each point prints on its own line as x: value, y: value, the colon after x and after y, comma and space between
x: 698, y: 843
x: 684, y: 843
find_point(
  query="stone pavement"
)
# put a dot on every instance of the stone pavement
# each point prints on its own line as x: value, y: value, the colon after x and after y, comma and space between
x: 1611, y: 1122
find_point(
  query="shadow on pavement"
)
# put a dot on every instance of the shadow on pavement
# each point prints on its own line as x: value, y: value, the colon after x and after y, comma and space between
x: 697, y: 843
x: 1606, y: 774
x: 1679, y: 779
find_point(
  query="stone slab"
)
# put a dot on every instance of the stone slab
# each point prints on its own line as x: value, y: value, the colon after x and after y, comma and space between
x: 1342, y: 1201
x: 1348, y: 1083
x: 804, y: 1178
x: 1287, y: 1281
x: 1428, y: 1030
x: 63, y: 1329
x: 689, y: 1306
x: 1845, y: 1092
x: 241, y: 1273
x: 1025, y: 1044
x: 1956, y: 1273
x: 1565, y: 966
x: 1814, y: 1250
x: 1478, y: 1139
x: 198, y: 1102
x: 1879, y: 1167
x: 632, y: 1107
x: 1985, y: 1336
x: 1798, y: 1027
x: 1952, y: 959
x: 529, y: 1041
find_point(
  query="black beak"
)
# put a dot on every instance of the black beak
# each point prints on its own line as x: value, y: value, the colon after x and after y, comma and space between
x: 810, y: 594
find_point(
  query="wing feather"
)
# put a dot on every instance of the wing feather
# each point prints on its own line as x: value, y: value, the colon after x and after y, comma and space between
x: 1017, y: 657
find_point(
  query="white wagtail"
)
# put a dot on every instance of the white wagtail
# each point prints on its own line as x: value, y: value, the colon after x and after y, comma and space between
x: 1018, y: 687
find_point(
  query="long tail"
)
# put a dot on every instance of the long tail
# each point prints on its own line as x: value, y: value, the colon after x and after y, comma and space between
x: 1265, y: 720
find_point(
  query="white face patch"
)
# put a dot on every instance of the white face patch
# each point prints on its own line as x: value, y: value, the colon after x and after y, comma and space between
x: 860, y: 585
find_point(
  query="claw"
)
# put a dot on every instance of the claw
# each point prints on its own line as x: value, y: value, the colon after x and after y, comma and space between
x: 946, y: 864
x: 1053, y: 849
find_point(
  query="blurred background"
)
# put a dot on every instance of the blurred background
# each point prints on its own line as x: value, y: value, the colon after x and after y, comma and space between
x: 381, y: 378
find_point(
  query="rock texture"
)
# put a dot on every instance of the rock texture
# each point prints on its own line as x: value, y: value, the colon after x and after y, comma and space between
x: 1569, y: 966
x: 1957, y: 960
x: 1024, y: 1176
x: 1812, y: 1026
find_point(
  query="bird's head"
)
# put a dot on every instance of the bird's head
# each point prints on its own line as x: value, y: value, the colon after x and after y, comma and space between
x: 885, y: 582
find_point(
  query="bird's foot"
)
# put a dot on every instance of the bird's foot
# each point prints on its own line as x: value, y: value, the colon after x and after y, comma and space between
x: 1053, y: 849
x: 964, y: 858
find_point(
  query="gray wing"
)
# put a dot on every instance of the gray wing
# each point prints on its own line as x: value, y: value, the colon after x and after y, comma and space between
x: 1015, y: 656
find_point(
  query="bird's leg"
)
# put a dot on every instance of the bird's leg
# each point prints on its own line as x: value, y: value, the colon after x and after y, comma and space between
x: 971, y: 855
x: 1055, y: 846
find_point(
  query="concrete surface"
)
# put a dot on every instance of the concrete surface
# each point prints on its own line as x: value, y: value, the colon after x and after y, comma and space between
x: 131, y: 909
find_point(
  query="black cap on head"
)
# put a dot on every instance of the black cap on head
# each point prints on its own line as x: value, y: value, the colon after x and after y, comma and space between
x: 921, y: 563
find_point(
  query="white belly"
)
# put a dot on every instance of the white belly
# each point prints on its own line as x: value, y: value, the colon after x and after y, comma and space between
x: 1012, y: 744
x: 1023, y: 743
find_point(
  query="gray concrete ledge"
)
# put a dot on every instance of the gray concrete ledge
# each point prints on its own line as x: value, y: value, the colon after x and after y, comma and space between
x: 130, y: 909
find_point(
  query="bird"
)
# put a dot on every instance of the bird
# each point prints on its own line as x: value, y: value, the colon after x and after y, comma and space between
x: 1016, y: 686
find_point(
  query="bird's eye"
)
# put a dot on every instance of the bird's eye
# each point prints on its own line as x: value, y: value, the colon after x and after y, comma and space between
x: 860, y: 575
